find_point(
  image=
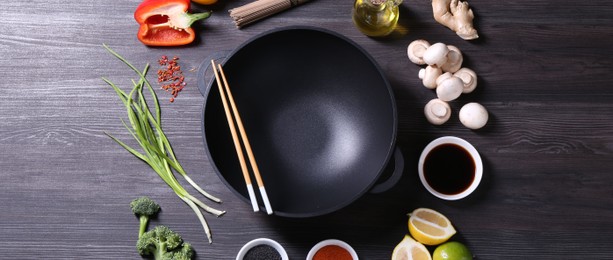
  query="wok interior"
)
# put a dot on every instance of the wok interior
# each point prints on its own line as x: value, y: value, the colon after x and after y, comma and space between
x: 319, y: 116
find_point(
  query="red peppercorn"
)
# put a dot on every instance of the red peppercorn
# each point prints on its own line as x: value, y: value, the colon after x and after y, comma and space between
x: 171, y: 77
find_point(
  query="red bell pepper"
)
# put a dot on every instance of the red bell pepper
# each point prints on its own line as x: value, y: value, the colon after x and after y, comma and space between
x: 166, y: 22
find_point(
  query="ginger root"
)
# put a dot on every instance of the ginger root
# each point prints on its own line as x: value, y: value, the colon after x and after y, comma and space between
x: 455, y: 15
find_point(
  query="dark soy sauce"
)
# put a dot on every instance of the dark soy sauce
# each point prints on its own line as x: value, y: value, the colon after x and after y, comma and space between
x: 449, y: 169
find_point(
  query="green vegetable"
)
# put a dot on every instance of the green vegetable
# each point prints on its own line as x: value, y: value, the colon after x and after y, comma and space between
x: 164, y: 244
x: 186, y: 253
x: 144, y: 208
x: 161, y: 242
x: 146, y: 128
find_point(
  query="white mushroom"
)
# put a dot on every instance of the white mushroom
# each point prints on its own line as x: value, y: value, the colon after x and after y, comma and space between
x: 473, y: 115
x: 442, y: 77
x: 450, y: 89
x: 437, y: 112
x: 454, y: 59
x: 416, y: 51
x: 469, y: 77
x: 436, y: 54
x: 429, y: 76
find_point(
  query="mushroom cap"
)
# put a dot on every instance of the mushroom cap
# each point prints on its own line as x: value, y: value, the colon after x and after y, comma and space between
x: 473, y: 115
x: 437, y: 112
x: 436, y: 54
x: 416, y: 50
x: 442, y: 77
x: 429, y: 76
x: 450, y: 88
x: 469, y: 77
x: 454, y: 59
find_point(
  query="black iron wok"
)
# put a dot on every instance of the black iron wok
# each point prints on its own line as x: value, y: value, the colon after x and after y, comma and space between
x: 319, y: 113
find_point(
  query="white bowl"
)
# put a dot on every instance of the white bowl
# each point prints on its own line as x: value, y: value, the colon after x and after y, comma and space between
x: 262, y: 241
x: 334, y: 242
x: 471, y: 151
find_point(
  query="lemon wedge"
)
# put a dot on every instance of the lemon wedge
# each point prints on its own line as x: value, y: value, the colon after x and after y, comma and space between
x: 430, y: 227
x: 409, y: 249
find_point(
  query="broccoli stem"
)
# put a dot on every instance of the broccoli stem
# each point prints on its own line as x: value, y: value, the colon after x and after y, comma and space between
x: 144, y: 220
x: 160, y: 251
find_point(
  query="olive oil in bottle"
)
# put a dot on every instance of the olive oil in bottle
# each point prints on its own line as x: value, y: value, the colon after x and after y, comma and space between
x: 376, y: 17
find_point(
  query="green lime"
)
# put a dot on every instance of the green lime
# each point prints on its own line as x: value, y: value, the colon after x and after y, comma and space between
x: 452, y: 251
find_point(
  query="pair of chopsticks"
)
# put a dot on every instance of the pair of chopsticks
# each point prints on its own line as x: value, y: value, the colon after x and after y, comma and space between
x: 231, y: 116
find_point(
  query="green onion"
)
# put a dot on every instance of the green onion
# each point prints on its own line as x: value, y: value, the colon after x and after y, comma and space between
x: 146, y: 128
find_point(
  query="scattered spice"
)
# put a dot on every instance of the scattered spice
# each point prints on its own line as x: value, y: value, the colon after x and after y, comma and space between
x: 262, y: 252
x: 170, y: 76
x: 332, y: 252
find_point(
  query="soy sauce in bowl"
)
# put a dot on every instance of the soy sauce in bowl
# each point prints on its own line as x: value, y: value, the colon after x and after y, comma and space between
x: 449, y: 169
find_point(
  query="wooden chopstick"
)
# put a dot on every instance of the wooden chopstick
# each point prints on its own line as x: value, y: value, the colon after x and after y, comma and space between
x: 230, y: 115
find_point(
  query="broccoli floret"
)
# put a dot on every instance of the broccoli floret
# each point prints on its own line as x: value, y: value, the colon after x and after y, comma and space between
x: 164, y: 244
x: 144, y: 208
x: 186, y: 253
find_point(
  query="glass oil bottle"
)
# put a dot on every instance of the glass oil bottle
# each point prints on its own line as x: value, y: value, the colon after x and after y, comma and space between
x: 376, y: 17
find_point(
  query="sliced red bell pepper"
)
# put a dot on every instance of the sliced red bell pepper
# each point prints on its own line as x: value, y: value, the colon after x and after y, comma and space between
x: 166, y: 22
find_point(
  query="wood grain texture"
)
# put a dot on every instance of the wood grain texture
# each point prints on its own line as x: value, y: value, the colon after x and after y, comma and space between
x: 545, y: 76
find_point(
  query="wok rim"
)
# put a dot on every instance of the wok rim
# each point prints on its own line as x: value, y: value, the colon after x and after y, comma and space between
x: 392, y: 102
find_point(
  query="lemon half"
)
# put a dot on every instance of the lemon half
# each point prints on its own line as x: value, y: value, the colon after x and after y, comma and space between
x: 409, y: 249
x: 430, y: 227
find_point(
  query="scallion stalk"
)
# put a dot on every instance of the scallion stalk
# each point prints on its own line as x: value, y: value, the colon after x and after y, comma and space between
x: 146, y: 128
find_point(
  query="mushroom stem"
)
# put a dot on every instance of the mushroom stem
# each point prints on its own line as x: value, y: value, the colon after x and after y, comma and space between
x: 469, y: 77
x: 416, y: 50
x: 454, y: 59
x: 437, y: 112
x: 429, y: 76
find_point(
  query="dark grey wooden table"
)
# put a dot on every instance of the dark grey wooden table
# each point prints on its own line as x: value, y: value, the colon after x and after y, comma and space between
x: 545, y: 71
